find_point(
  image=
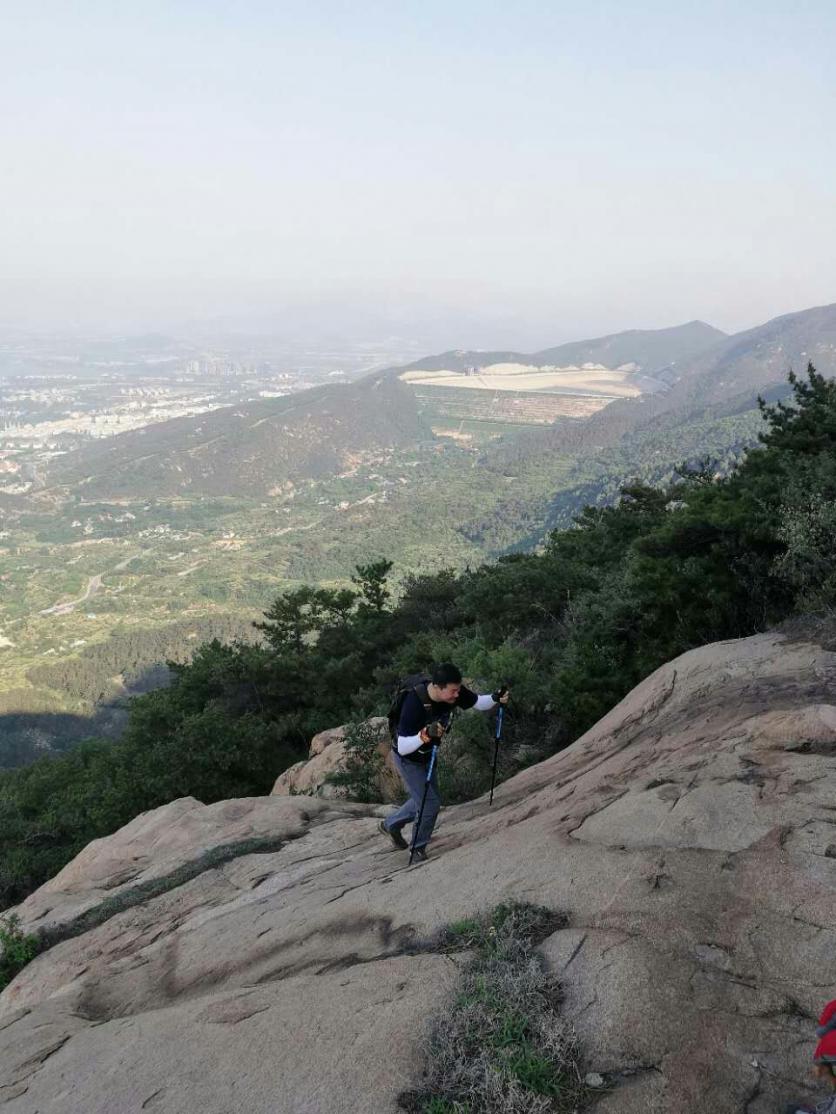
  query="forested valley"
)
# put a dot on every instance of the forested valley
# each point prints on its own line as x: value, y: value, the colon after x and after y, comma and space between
x: 102, y: 676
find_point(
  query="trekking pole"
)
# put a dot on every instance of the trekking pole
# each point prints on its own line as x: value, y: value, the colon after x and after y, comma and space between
x: 430, y: 769
x: 499, y: 716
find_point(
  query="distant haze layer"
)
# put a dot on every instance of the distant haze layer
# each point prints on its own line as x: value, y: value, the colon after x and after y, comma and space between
x: 456, y: 173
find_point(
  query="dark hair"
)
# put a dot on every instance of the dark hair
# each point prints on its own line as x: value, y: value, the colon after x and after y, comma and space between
x: 446, y: 674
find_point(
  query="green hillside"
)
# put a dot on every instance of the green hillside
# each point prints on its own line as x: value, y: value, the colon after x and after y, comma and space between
x: 162, y: 563
x: 79, y: 572
x: 734, y: 372
x: 247, y: 450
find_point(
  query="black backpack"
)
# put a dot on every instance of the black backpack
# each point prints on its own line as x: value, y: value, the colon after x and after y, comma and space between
x: 417, y: 683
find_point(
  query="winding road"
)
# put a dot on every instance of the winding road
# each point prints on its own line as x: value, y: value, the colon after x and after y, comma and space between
x: 93, y: 586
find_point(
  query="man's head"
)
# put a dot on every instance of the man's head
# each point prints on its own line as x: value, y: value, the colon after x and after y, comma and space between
x: 447, y: 683
x: 826, y: 1072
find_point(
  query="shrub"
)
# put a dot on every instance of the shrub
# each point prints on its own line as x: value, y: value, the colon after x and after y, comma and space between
x: 19, y: 948
x: 359, y: 777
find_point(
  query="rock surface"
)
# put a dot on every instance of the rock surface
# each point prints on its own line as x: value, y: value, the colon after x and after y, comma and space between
x: 689, y: 836
x: 326, y: 755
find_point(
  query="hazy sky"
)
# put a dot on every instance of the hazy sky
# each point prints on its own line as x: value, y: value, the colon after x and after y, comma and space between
x: 477, y: 173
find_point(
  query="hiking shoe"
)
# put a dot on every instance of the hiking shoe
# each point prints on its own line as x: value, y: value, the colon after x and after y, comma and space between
x: 419, y: 855
x: 395, y: 837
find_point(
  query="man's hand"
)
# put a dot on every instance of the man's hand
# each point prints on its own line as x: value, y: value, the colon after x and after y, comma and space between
x: 432, y: 733
x: 501, y: 696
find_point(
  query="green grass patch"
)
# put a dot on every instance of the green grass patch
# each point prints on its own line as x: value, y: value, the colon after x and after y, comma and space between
x: 501, y: 1047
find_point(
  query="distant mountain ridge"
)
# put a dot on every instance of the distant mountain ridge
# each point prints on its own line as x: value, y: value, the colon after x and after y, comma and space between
x: 764, y: 354
x: 747, y: 363
x: 649, y: 349
x: 251, y: 449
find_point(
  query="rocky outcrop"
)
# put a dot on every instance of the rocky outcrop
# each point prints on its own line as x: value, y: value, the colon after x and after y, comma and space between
x: 326, y: 755
x: 689, y: 837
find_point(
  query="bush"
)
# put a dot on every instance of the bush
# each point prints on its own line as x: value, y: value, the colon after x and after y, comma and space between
x: 362, y: 767
x: 18, y: 948
x: 808, y: 529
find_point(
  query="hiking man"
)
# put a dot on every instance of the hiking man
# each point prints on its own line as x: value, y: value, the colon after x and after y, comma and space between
x: 422, y: 720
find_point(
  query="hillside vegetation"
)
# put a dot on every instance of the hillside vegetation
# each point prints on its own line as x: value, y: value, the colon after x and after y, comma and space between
x: 249, y: 449
x: 214, y: 562
x: 308, y: 486
x: 735, y: 368
x: 571, y: 629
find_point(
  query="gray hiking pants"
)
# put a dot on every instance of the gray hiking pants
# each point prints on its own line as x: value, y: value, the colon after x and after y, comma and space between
x: 414, y: 775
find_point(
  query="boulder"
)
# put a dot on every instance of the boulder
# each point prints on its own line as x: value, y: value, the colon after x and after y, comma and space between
x: 687, y: 836
x: 325, y: 738
x: 327, y: 756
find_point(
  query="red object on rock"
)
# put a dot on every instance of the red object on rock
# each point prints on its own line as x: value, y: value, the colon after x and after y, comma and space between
x: 826, y: 1048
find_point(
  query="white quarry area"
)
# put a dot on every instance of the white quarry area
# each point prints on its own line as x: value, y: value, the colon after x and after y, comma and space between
x: 591, y: 378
